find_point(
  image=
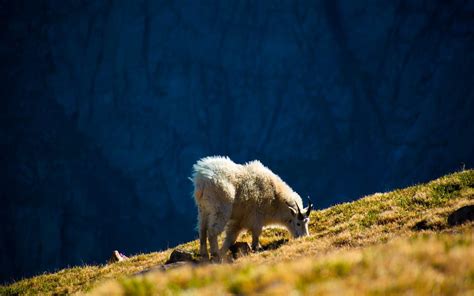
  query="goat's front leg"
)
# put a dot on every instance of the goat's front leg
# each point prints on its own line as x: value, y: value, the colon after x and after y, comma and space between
x: 214, y: 247
x: 231, y: 234
x: 255, y: 237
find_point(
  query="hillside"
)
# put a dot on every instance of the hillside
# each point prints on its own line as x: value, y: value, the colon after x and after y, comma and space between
x: 106, y: 105
x: 392, y: 243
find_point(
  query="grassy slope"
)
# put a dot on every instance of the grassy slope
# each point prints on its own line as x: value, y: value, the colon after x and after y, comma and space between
x: 367, y: 246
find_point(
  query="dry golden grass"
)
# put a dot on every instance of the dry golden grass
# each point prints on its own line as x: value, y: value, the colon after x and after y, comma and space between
x: 370, y: 246
x: 426, y: 263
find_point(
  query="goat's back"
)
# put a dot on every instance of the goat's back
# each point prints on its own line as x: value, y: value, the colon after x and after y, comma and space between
x: 214, y: 179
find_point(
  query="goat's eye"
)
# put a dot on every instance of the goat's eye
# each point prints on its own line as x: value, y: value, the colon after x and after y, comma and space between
x: 289, y: 221
x: 298, y: 224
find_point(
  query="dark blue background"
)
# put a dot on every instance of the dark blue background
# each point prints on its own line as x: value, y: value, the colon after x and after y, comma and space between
x: 105, y: 106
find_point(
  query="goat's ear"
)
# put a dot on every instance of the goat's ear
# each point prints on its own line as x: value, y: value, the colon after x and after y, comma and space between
x: 309, y: 208
x: 292, y: 210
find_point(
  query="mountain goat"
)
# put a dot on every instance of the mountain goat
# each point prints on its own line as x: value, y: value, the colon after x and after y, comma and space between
x: 238, y: 197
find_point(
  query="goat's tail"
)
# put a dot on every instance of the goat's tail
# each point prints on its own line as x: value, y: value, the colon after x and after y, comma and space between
x: 198, y: 192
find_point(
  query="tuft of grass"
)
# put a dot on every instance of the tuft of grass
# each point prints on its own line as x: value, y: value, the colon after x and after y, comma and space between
x: 137, y: 286
x: 443, y: 192
x: 385, y: 243
x: 370, y: 218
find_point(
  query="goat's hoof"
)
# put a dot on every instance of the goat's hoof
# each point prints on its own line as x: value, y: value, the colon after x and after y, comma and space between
x: 216, y: 259
x: 204, y: 258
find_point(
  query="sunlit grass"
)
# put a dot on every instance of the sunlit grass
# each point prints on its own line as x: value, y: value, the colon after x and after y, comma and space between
x: 419, y: 264
x: 385, y: 243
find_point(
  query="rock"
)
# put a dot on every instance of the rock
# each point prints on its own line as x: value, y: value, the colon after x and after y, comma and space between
x: 117, y: 257
x: 422, y: 225
x: 164, y: 267
x: 177, y: 264
x: 275, y: 244
x: 177, y: 259
x: 160, y: 267
x: 461, y: 215
x: 180, y: 256
x: 240, y: 249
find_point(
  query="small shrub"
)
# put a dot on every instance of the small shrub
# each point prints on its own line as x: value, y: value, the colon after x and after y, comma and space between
x: 467, y: 179
x: 370, y: 218
x: 444, y: 192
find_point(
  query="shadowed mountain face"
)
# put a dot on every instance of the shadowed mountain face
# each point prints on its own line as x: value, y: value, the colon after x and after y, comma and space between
x: 105, y: 106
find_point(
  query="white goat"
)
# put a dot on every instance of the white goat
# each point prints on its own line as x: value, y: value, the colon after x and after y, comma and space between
x: 238, y: 197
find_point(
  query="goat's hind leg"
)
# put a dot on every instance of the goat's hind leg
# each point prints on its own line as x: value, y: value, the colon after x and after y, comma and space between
x: 216, y: 225
x: 203, y: 236
x: 203, y: 217
x: 213, y: 231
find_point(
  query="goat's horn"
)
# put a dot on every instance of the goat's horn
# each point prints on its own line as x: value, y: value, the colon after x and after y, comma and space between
x: 300, y: 215
x: 298, y: 207
x: 310, y: 207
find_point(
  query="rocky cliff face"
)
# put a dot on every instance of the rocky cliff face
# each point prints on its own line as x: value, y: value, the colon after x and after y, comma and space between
x: 107, y: 104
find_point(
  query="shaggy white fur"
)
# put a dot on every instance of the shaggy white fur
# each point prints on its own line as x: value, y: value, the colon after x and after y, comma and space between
x: 238, y: 197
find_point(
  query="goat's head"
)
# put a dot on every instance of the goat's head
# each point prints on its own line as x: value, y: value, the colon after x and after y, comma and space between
x: 299, y: 219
